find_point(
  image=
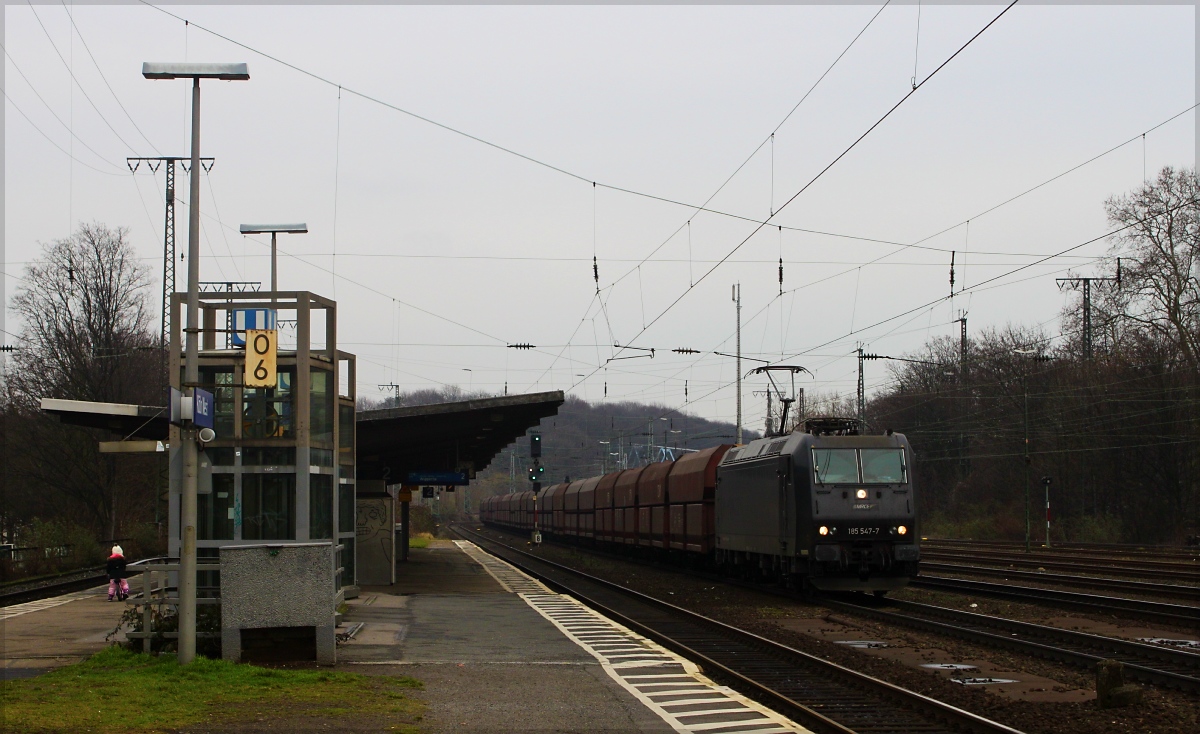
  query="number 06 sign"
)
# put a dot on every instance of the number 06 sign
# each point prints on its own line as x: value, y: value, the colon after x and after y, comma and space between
x: 260, y: 358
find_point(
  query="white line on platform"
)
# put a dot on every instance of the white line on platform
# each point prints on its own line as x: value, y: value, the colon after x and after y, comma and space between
x: 17, y: 610
x: 579, y: 623
x: 471, y: 662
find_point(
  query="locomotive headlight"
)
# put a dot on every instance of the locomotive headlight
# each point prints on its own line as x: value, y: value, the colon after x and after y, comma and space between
x: 823, y: 530
x: 861, y: 494
x: 902, y: 530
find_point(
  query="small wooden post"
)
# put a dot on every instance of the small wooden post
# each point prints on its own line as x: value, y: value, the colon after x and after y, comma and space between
x: 147, y: 585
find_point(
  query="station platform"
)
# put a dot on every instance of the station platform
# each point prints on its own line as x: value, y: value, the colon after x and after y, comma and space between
x: 499, y: 651
x: 38, y: 636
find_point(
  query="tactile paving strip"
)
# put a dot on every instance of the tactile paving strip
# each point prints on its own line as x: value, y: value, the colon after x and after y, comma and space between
x: 17, y: 610
x: 671, y: 686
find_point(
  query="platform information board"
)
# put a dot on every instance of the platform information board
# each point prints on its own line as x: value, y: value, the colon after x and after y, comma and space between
x: 437, y: 477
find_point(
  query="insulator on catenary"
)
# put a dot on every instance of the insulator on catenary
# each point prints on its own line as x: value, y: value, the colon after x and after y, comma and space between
x: 952, y: 272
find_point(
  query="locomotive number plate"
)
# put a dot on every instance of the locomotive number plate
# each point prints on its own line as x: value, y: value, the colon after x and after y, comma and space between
x: 865, y: 531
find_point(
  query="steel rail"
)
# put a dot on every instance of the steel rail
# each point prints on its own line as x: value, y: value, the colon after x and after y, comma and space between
x: 1139, y: 569
x: 1114, y: 549
x: 1093, y: 582
x: 759, y: 664
x: 45, y: 591
x: 54, y: 588
x: 1177, y: 614
x: 1147, y: 663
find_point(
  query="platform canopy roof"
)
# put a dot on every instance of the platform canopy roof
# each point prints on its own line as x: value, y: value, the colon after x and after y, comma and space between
x: 446, y: 437
x: 462, y: 436
x: 123, y: 419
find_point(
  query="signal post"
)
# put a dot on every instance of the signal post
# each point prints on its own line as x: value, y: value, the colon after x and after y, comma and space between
x: 536, y: 472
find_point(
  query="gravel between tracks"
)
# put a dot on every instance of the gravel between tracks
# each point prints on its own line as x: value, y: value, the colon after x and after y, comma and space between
x: 1166, y: 712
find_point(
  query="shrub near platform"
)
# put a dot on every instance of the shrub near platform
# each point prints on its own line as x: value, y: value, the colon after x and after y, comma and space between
x: 119, y: 691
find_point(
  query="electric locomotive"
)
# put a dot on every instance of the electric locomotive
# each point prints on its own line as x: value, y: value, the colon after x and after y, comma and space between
x: 823, y: 509
x: 826, y: 508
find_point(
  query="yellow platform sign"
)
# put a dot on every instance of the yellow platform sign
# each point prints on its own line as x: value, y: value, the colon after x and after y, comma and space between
x: 260, y: 357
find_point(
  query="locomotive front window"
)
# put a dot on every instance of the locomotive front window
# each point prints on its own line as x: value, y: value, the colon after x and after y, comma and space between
x: 835, y: 466
x: 882, y: 466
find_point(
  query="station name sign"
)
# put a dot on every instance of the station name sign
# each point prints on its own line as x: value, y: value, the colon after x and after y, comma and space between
x: 197, y: 408
x: 437, y: 477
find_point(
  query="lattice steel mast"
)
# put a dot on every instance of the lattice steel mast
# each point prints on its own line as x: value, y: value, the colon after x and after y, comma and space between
x: 168, y: 280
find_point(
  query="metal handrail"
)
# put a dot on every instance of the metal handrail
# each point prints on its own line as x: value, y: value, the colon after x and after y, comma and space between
x: 151, y: 597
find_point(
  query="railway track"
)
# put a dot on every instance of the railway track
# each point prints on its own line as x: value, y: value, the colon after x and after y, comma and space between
x: 1174, y: 591
x: 1153, y: 664
x: 1176, y: 572
x: 49, y: 587
x: 822, y: 695
x: 1147, y: 663
x: 53, y: 588
x: 1115, y: 550
x: 1174, y: 614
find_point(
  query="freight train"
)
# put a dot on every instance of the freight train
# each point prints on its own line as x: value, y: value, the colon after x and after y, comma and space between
x: 823, y: 508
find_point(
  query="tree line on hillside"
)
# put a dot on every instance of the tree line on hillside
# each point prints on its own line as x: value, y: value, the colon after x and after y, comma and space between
x: 1110, y: 417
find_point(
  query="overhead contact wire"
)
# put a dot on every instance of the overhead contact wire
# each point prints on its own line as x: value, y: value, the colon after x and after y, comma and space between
x: 831, y: 164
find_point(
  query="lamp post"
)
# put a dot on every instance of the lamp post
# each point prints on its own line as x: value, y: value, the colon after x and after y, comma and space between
x: 1028, y: 520
x: 1046, y: 482
x: 274, y: 229
x: 1032, y: 354
x: 191, y: 371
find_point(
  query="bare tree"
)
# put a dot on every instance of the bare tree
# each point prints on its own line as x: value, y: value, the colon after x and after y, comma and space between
x: 84, y: 315
x: 1160, y: 254
x: 86, y: 335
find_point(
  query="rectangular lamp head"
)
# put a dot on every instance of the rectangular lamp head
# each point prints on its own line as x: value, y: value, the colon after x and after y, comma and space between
x: 188, y: 70
x: 300, y: 228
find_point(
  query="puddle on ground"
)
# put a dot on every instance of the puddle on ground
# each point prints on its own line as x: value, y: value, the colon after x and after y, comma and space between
x: 1191, y: 645
x: 861, y: 643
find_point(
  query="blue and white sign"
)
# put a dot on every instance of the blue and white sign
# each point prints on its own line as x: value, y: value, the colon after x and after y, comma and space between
x: 437, y: 477
x: 251, y: 318
x: 202, y: 410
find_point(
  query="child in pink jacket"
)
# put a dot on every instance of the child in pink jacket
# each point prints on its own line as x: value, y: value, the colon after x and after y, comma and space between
x: 117, y: 585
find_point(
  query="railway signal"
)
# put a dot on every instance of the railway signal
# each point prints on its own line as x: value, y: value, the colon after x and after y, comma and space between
x: 1046, y: 481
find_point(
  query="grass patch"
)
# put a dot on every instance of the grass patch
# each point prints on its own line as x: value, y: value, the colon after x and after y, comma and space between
x: 420, y: 540
x: 117, y: 691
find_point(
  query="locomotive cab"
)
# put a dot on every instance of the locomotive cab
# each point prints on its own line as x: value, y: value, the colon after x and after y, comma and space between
x: 861, y: 528
x: 837, y: 512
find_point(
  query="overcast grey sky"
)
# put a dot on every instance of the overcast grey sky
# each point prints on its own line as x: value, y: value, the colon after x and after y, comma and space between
x: 667, y: 101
